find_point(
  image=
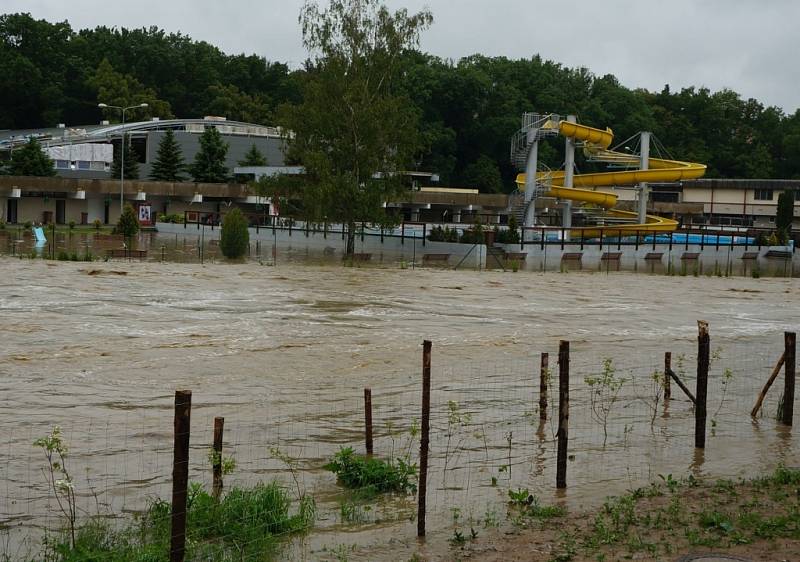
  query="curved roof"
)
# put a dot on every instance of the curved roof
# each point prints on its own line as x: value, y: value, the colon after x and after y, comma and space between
x: 95, y: 133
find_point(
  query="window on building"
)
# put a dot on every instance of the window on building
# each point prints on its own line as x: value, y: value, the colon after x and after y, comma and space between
x: 62, y: 164
x: 763, y: 195
x: 84, y: 165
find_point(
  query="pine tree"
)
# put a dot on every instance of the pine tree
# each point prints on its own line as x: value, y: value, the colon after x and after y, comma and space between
x: 209, y: 163
x: 131, y: 163
x: 253, y: 157
x: 169, y: 163
x: 31, y: 160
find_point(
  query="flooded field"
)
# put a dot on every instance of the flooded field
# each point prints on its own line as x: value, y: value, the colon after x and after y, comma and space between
x: 284, y: 352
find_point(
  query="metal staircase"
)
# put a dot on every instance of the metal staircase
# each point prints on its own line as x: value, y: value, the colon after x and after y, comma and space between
x: 517, y: 206
x: 535, y: 127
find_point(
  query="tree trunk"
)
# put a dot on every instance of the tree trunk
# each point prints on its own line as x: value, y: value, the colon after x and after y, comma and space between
x: 351, y: 239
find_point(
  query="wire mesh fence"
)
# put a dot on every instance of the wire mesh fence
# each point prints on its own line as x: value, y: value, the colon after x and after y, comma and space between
x: 288, y: 469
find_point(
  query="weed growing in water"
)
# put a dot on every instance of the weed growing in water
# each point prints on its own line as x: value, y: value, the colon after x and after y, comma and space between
x: 604, y: 393
x: 58, y: 477
x: 727, y: 376
x: 658, y: 379
x: 528, y: 505
x: 228, y: 464
x: 456, y: 420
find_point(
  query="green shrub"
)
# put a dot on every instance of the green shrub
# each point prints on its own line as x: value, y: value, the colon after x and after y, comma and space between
x: 27, y: 225
x: 97, y: 224
x: 235, y: 238
x: 71, y: 225
x: 509, y: 235
x: 62, y: 256
x: 128, y: 224
x: 370, y: 475
x: 446, y: 234
x: 174, y: 218
x: 73, y: 256
x: 436, y: 234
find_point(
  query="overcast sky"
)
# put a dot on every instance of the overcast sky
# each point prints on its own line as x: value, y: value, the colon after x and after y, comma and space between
x: 747, y: 45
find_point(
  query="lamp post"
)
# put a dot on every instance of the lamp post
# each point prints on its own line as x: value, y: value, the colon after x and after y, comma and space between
x: 122, y: 149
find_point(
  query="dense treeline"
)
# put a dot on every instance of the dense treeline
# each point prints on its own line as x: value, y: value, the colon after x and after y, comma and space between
x: 468, y: 109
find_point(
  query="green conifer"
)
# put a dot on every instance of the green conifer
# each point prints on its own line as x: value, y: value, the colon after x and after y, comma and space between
x: 209, y: 163
x: 169, y: 164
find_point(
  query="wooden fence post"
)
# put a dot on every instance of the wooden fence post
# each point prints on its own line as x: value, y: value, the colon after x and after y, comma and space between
x: 774, y: 375
x: 368, y: 419
x: 424, y: 437
x: 789, y: 354
x: 180, y: 474
x: 701, y: 395
x: 216, y: 467
x: 563, y: 414
x: 543, y: 376
x: 667, y: 378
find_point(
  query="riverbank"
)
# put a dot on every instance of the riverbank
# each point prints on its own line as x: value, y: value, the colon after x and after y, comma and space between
x: 756, y: 519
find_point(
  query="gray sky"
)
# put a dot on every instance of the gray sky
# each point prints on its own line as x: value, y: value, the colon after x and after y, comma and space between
x: 746, y: 45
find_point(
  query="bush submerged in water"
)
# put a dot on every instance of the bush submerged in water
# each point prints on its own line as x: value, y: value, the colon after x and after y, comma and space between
x: 235, y: 238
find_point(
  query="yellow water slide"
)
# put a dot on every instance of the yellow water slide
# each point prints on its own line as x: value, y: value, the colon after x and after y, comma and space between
x: 595, y: 144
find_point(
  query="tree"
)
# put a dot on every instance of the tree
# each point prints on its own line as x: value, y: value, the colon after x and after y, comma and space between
x: 169, y: 164
x: 31, y: 160
x: 253, y: 157
x: 234, y: 238
x: 131, y: 162
x: 484, y: 174
x: 353, y: 132
x: 209, y: 162
x: 128, y: 224
x: 228, y: 101
x: 784, y: 215
x: 123, y: 90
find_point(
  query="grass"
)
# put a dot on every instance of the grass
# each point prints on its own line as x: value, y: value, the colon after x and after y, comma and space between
x: 244, y: 525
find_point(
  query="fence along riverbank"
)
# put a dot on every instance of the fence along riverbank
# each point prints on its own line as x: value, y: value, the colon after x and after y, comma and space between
x: 487, y: 435
x: 701, y: 251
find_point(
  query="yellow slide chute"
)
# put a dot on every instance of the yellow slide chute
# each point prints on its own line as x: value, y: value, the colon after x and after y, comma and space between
x: 596, y: 143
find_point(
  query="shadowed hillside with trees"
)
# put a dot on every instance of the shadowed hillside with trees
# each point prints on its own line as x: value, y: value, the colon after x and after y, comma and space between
x: 468, y: 108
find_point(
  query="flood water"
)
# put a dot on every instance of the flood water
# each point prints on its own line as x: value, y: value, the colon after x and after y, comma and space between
x: 283, y: 353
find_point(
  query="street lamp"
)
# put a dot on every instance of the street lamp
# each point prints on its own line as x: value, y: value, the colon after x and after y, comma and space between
x: 122, y: 149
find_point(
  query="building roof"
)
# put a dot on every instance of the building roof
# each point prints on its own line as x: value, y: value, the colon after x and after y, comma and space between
x: 62, y: 135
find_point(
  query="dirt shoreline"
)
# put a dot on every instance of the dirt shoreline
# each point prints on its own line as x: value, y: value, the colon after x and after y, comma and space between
x: 756, y: 520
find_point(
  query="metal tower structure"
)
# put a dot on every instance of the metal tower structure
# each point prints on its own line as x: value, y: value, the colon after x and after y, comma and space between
x: 525, y: 153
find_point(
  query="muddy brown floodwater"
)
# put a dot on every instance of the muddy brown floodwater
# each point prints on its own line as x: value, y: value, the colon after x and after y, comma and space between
x: 284, y: 352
